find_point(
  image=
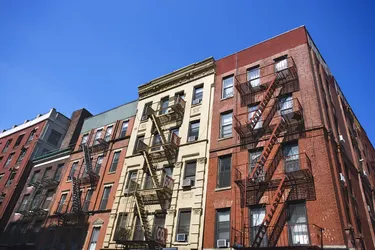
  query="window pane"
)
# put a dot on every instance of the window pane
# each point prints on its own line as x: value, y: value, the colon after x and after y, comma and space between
x: 184, y: 222
x: 108, y: 133
x: 198, y: 93
x: 253, y: 76
x: 281, y: 64
x: 103, y: 203
x: 224, y: 173
x: 114, y: 164
x: 54, y: 137
x: 190, y: 169
x: 226, y: 125
x: 124, y: 128
x: 223, y: 224
x: 286, y: 105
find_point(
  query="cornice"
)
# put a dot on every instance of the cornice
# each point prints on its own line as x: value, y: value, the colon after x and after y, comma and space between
x: 177, y: 78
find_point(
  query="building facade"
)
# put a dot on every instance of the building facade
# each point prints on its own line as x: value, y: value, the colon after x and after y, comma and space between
x: 290, y: 165
x: 79, y: 216
x: 27, y: 225
x: 20, y: 144
x: 160, y: 198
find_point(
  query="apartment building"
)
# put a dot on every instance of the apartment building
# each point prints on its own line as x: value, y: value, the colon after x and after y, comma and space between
x: 79, y: 215
x: 160, y: 197
x: 27, y: 225
x: 290, y: 165
x: 20, y: 144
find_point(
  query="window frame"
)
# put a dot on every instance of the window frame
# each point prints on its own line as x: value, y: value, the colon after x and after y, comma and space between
x: 183, y: 210
x: 97, y: 136
x: 230, y: 112
x: 217, y: 211
x: 122, y: 133
x: 228, y: 87
x: 105, y: 200
x: 19, y: 140
x: 192, y: 177
x: 190, y: 129
x: 75, y: 165
x: 6, y: 146
x: 85, y: 138
x: 9, y: 160
x: 256, y: 79
x: 55, y: 134
x: 218, y: 182
x: 22, y: 155
x: 113, y: 163
x: 107, y: 136
x: 11, y: 178
x: 195, y: 94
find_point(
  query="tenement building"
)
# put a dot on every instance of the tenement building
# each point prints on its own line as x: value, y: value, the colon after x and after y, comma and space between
x: 160, y: 197
x: 290, y: 165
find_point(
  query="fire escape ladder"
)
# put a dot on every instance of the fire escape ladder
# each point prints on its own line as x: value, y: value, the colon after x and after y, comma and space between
x: 259, y: 167
x: 88, y: 164
x: 143, y: 216
x: 158, y: 127
x: 76, y: 195
x: 262, y: 231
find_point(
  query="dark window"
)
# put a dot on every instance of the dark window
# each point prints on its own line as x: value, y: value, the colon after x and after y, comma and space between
x: 225, y: 170
x: 108, y: 133
x: 36, y: 200
x: 94, y: 237
x: 22, y: 155
x: 19, y: 140
x: 146, y: 111
x: 164, y: 103
x: 222, y: 225
x: 124, y: 128
x: 7, y: 145
x: 58, y: 172
x: 298, y: 228
x: 47, y: 174
x: 48, y: 200
x: 24, y: 202
x: 11, y: 178
x: 61, y: 203
x: 226, y: 125
x: 114, y: 164
x: 121, y: 222
x: 1, y: 176
x: 148, y: 182
x: 31, y: 136
x: 98, y: 164
x: 72, y: 171
x: 139, y: 144
x: 104, y: 201
x: 98, y: 135
x: 1, y: 158
x: 183, y: 226
x: 86, y: 204
x: 198, y: 94
x: 190, y: 171
x: 85, y: 137
x: 132, y: 178
x: 35, y: 176
x: 227, y: 87
x: 193, y: 131
x: 9, y: 160
x: 54, y: 137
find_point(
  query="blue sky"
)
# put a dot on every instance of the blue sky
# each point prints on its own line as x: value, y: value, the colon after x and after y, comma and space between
x: 94, y: 54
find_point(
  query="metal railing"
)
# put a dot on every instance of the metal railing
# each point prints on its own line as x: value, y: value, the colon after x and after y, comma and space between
x: 150, y: 144
x: 136, y: 233
x: 160, y: 108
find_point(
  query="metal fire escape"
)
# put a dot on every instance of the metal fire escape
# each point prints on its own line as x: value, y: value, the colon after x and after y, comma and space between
x: 163, y: 147
x: 277, y: 123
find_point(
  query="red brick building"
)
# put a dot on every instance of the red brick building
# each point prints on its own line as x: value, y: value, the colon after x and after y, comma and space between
x: 290, y: 165
x: 84, y: 199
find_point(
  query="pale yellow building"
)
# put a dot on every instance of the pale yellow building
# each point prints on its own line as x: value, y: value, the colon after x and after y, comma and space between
x: 160, y: 201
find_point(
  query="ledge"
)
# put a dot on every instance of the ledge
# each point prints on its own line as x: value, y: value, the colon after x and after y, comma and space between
x: 223, y: 188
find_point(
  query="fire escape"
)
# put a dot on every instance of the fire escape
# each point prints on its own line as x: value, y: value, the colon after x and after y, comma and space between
x: 157, y: 186
x: 276, y: 119
x: 84, y: 177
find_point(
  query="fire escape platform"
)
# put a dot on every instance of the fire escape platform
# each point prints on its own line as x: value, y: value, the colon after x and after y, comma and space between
x: 301, y: 247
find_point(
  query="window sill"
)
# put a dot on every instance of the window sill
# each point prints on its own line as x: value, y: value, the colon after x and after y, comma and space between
x: 222, y: 189
x: 196, y: 105
x: 181, y: 243
x: 113, y: 172
x: 225, y: 138
x: 226, y: 98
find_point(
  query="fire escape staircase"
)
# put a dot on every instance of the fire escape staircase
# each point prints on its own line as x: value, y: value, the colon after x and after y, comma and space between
x: 143, y: 216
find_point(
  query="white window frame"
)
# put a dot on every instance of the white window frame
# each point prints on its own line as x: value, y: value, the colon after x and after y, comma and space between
x: 230, y: 86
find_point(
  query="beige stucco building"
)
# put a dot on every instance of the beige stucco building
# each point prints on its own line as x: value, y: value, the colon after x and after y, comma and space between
x: 160, y: 200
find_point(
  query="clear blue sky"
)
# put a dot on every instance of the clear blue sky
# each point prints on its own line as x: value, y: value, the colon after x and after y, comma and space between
x: 94, y: 54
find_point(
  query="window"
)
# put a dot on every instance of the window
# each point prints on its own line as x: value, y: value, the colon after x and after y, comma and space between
x: 35, y: 176
x: 256, y: 219
x: 222, y: 225
x: 94, y: 238
x: 168, y: 171
x: 115, y: 159
x: 22, y: 155
x: 226, y: 125
x: 1, y: 158
x: 253, y: 159
x: 121, y: 222
x: 164, y: 103
x: 36, y: 200
x: 146, y: 111
x: 85, y: 137
x: 132, y: 178
x: 98, y: 135
x: 11, y: 178
x: 193, y: 131
x: 183, y: 226
x: 190, y: 170
x: 1, y: 176
x: 124, y: 128
x: 58, y: 172
x: 72, y: 171
x: 227, y: 87
x: 48, y: 200
x: 7, y: 145
x: 47, y: 174
x: 9, y: 160
x: 224, y: 173
x: 108, y: 133
x: 171, y: 132
x: 298, y: 228
x: 86, y: 204
x: 19, y: 140
x: 139, y: 144
x: 286, y: 105
x: 54, y: 137
x: 104, y: 201
x: 31, y: 136
x: 24, y: 202
x: 198, y: 94
x: 251, y: 110
x: 291, y: 156
x: 98, y: 164
x: 180, y: 95
x: 148, y: 184
x: 253, y: 75
x: 61, y: 203
x: 281, y: 63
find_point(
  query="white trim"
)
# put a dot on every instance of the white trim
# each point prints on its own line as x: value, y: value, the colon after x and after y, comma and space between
x: 65, y: 192
x: 51, y: 161
x: 117, y: 150
x: 108, y: 185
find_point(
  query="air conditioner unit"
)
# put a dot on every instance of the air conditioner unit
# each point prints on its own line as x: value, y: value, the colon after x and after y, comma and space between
x: 187, y: 183
x: 181, y: 237
x: 341, y: 138
x: 221, y: 243
x: 197, y: 101
x: 192, y: 138
x: 342, y: 178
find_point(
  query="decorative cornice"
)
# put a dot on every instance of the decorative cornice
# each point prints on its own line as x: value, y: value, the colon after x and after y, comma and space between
x: 177, y: 78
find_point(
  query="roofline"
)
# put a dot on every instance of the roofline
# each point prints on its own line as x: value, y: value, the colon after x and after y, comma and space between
x: 110, y: 110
